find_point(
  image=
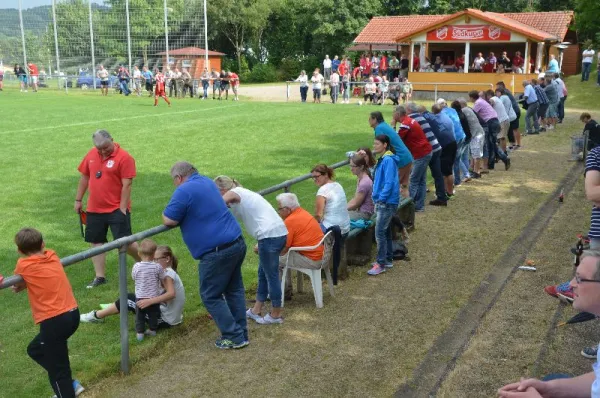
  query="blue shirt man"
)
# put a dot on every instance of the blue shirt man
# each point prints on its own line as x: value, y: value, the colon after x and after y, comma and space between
x: 459, y: 133
x: 147, y: 75
x: 381, y: 127
x: 214, y: 237
x: 335, y: 64
x: 530, y: 94
x: 552, y: 65
x: 446, y: 129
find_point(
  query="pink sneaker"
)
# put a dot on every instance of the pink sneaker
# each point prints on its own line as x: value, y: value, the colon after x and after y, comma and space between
x: 376, y: 270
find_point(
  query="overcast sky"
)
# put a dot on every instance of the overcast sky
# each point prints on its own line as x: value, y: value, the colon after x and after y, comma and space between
x: 31, y: 3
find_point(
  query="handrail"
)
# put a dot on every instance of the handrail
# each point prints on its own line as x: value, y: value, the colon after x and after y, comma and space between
x: 123, y: 243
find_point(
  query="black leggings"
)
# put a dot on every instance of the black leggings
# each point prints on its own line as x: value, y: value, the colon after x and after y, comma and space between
x: 338, y: 244
x: 49, y: 349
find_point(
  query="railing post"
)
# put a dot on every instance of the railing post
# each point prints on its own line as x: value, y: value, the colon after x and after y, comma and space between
x: 287, y: 93
x: 435, y: 94
x: 123, y: 309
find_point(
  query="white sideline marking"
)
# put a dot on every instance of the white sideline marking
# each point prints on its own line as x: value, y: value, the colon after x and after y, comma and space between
x: 117, y: 119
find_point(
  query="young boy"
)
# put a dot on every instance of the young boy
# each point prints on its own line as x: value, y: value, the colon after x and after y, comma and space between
x: 53, y: 307
x: 159, y: 89
x: 147, y: 276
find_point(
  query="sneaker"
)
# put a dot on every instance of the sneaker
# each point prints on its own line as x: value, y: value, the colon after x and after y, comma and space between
x: 438, y: 202
x: 149, y: 332
x: 388, y: 265
x: 450, y: 196
x: 97, y: 282
x: 77, y: 387
x: 561, y: 291
x: 550, y: 127
x: 534, y: 133
x: 475, y: 175
x: 90, y: 317
x: 507, y: 164
x: 225, y: 344
x: 139, y: 336
x: 542, y: 129
x: 590, y: 352
x: 467, y: 179
x: 268, y: 319
x: 252, y: 315
x: 484, y: 171
x: 376, y: 270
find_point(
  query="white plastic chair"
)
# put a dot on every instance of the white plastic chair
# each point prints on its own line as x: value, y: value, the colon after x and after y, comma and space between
x: 314, y: 274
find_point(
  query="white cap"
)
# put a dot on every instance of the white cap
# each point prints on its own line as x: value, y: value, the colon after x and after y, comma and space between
x: 441, y: 101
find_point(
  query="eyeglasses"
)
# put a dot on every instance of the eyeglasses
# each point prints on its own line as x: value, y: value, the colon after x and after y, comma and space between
x: 160, y: 258
x: 99, y: 174
x: 316, y: 177
x: 579, y: 279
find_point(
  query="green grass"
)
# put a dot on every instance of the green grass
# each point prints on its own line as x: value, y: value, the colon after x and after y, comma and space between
x: 45, y: 136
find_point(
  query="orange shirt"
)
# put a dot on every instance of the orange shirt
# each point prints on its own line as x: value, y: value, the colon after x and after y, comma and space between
x: 105, y: 175
x: 48, y: 288
x: 304, y: 230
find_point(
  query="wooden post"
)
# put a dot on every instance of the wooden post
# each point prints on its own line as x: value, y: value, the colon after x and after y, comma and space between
x: 527, y: 64
x: 412, y: 56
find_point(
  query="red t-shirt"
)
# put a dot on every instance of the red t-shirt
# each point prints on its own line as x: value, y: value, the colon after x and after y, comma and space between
x: 416, y: 64
x: 33, y: 70
x: 48, y: 288
x: 517, y: 61
x: 414, y: 138
x: 367, y: 69
x: 105, y: 191
x: 356, y: 72
x: 488, y: 68
x: 342, y: 68
x: 383, y: 64
x: 460, y: 62
x: 234, y: 79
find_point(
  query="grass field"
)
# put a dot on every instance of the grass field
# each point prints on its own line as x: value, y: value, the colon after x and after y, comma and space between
x: 46, y: 135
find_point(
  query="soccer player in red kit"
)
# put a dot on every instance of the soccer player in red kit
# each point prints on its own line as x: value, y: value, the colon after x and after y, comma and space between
x: 159, y: 89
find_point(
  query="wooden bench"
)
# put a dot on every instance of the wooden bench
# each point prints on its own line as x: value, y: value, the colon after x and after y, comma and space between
x: 359, y: 242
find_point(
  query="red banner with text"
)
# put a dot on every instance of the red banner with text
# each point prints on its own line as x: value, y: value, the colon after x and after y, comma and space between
x: 468, y: 33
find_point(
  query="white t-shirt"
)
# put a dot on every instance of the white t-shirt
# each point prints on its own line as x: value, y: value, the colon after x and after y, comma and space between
x: 327, y: 63
x: 259, y: 217
x: 172, y: 311
x: 303, y: 80
x: 588, y: 56
x: 499, y: 108
x: 336, y: 212
x: 137, y: 74
x: 508, y: 107
x: 478, y: 62
x: 317, y: 80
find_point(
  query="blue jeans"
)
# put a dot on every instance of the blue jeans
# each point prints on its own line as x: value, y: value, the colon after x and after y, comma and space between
x: 222, y: 290
x: 418, y: 181
x: 459, y: 162
x: 383, y: 232
x: 303, y: 91
x: 585, y: 72
x: 438, y: 178
x: 124, y: 87
x: 205, y: 88
x: 335, y: 90
x: 269, y: 250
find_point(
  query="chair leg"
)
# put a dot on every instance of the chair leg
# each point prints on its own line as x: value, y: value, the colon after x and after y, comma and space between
x: 329, y: 281
x: 300, y: 282
x: 315, y: 278
x: 283, y: 276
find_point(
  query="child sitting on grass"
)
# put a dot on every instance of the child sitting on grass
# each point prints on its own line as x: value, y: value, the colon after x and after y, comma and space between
x: 53, y: 307
x: 147, y: 276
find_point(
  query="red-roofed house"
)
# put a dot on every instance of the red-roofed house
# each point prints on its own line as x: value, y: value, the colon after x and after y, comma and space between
x: 467, y: 33
x: 193, y: 58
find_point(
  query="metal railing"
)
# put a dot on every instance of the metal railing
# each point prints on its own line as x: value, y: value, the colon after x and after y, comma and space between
x: 400, y: 84
x: 122, y: 244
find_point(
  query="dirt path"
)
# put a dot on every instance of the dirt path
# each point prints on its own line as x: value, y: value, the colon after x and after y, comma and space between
x: 372, y: 337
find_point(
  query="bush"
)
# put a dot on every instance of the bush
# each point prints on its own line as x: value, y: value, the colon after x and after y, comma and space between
x: 289, y: 69
x: 262, y: 73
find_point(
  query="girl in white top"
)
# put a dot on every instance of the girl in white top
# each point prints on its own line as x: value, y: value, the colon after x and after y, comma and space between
x: 330, y: 207
x: 172, y: 299
x: 264, y: 224
x: 478, y: 62
x: 302, y: 79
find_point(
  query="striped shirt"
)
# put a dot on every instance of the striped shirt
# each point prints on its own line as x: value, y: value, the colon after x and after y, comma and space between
x: 435, y: 145
x: 593, y: 163
x: 541, y: 94
x: 147, y: 276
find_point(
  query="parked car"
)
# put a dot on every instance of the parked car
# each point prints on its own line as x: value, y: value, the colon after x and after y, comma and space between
x: 85, y: 81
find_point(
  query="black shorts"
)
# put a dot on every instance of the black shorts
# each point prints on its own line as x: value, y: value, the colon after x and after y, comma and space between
x: 131, y: 307
x: 148, y: 86
x: 447, y: 158
x: 104, y: 83
x: 224, y: 86
x: 543, y: 110
x: 515, y: 123
x: 96, y: 229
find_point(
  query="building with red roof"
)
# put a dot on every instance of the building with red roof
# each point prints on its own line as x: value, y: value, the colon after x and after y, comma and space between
x: 194, y: 59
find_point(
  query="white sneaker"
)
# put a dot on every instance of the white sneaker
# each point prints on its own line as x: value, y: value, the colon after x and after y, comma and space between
x: 251, y: 315
x: 268, y: 319
x: 90, y: 317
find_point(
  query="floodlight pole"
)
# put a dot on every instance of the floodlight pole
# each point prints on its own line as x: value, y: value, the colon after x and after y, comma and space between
x: 166, y: 36
x: 55, y: 36
x: 92, y: 46
x: 23, y: 42
x: 128, y: 33
x: 206, y: 38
